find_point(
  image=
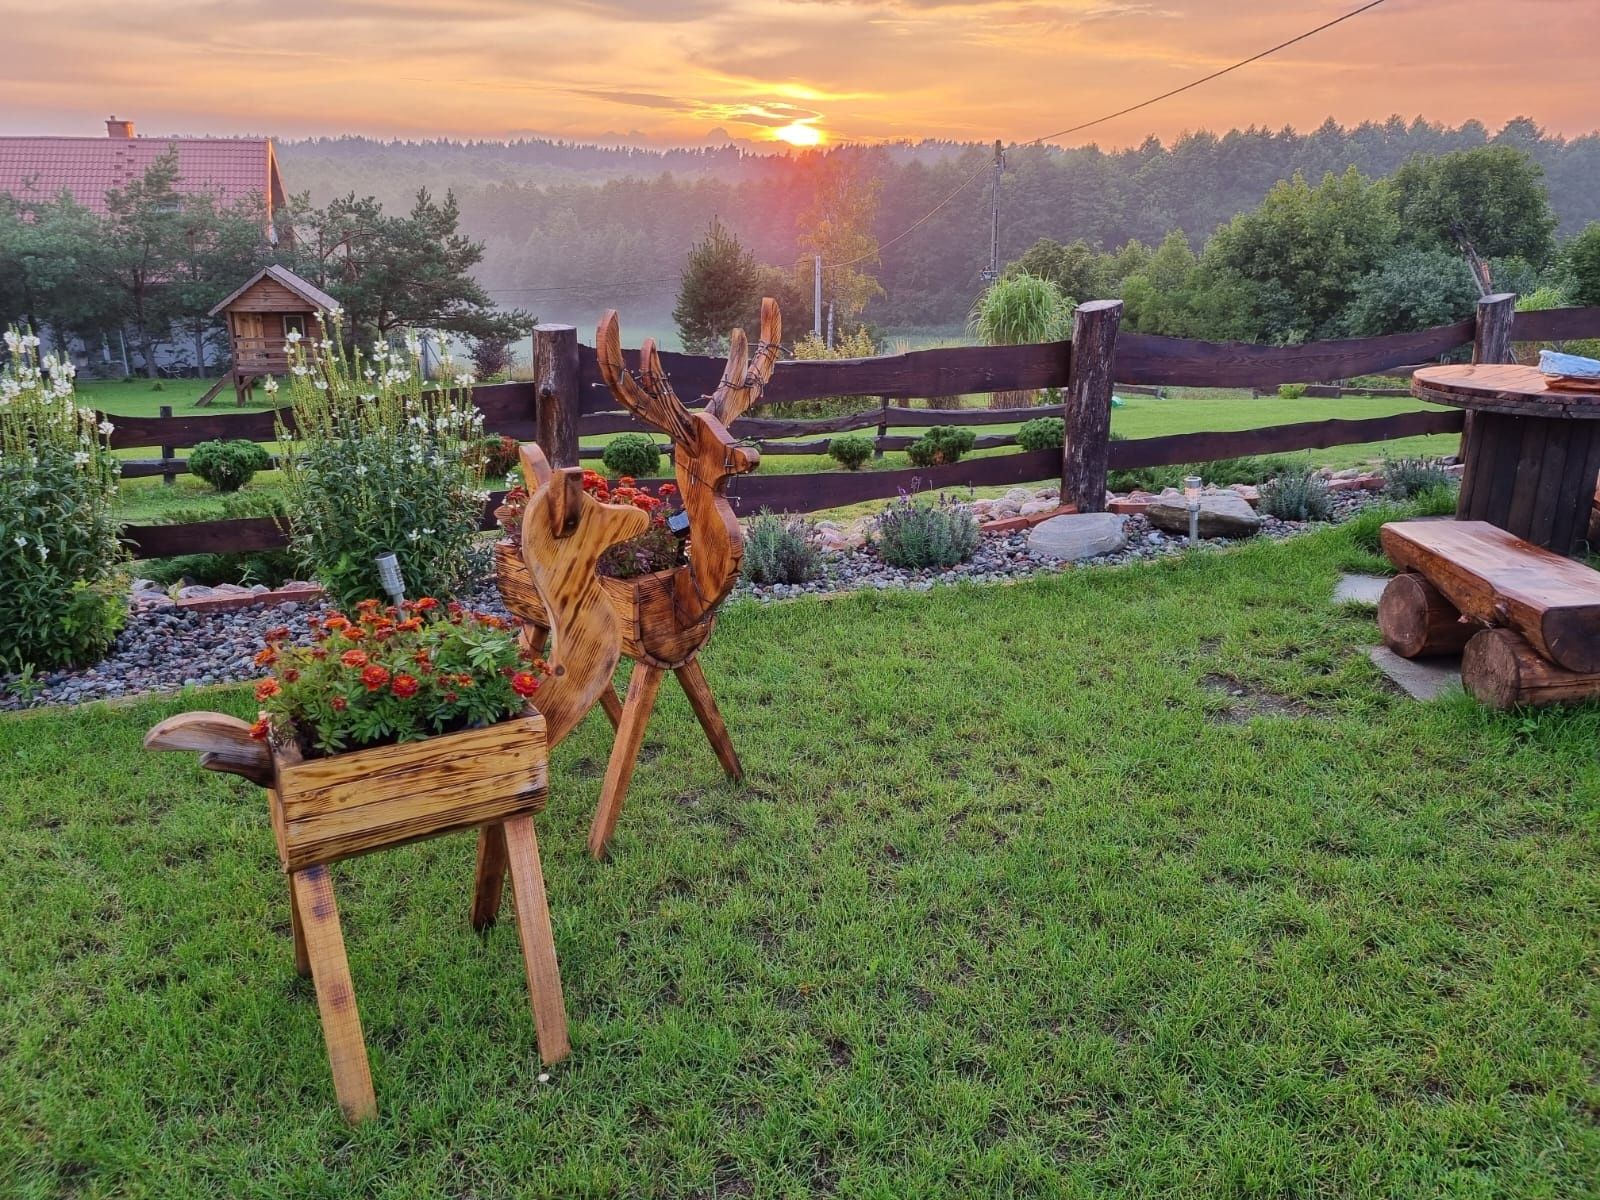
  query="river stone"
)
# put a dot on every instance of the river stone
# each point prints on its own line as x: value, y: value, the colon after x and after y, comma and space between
x: 1222, y: 514
x: 1078, y: 535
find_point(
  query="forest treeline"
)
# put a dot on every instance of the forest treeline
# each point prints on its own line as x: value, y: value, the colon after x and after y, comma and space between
x: 618, y: 224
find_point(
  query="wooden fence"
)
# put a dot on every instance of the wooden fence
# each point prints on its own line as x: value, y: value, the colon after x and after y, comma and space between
x: 568, y: 401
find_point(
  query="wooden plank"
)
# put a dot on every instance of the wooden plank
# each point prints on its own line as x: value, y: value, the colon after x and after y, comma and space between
x: 190, y: 431
x: 1276, y: 439
x: 1573, y: 503
x: 1497, y: 578
x: 205, y: 537
x: 1148, y: 358
x: 952, y: 371
x: 831, y: 489
x: 1556, y: 325
x: 367, y: 800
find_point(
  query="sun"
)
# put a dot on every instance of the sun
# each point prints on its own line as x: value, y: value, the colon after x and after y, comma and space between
x: 796, y: 133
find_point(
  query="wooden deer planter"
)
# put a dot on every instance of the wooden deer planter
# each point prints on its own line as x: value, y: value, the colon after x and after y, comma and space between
x: 668, y: 616
x: 491, y: 779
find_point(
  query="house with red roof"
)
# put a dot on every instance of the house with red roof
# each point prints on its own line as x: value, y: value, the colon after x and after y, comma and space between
x: 87, y: 168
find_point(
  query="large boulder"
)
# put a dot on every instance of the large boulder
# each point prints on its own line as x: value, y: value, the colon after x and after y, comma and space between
x: 1078, y: 535
x: 1223, y: 514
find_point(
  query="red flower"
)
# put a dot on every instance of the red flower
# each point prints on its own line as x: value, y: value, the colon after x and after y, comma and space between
x: 354, y: 658
x: 318, y: 653
x: 278, y: 633
x: 451, y: 697
x: 465, y: 681
x: 404, y: 686
x: 626, y: 481
x: 354, y: 634
x: 261, y: 728
x: 267, y: 657
x: 340, y: 704
x: 668, y: 489
x: 374, y: 677
x: 409, y: 625
x: 523, y: 683
x: 291, y: 675
x: 267, y: 688
x: 368, y: 606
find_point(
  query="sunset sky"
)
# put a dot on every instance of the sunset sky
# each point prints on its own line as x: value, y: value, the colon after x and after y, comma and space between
x: 673, y: 70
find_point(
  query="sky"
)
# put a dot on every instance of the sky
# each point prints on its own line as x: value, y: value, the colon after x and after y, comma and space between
x: 673, y: 71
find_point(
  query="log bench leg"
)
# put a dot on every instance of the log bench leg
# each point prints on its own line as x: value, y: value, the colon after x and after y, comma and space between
x: 336, y: 994
x: 1417, y: 621
x: 693, y: 680
x: 537, y: 937
x: 488, y: 881
x: 1502, y: 670
x: 643, y: 685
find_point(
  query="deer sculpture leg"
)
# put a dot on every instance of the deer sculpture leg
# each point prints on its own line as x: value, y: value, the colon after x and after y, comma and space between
x: 693, y: 681
x: 643, y: 685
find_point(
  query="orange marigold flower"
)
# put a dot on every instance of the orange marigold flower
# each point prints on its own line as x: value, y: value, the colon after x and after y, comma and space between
x: 374, y: 677
x: 410, y: 625
x: 354, y: 658
x: 427, y: 604
x: 318, y: 653
x: 267, y: 657
x: 367, y: 606
x: 523, y: 683
x: 465, y: 681
x: 336, y: 622
x: 261, y: 728
x: 354, y: 634
x: 626, y: 481
x: 340, y: 704
x: 291, y: 675
x: 404, y: 686
x: 267, y: 688
x: 278, y: 633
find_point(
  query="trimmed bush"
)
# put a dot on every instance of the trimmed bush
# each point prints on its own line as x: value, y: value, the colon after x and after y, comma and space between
x: 781, y: 549
x: 1291, y: 391
x: 913, y: 536
x: 378, y: 466
x: 632, y: 454
x: 62, y: 601
x: 1297, y: 495
x: 1042, y: 433
x: 228, y: 466
x: 941, y: 444
x: 1405, y: 478
x: 851, y: 450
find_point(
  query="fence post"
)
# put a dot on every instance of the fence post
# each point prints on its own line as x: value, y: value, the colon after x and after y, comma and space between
x: 1088, y: 406
x: 555, y: 376
x: 883, y: 427
x: 167, y: 453
x: 1491, y: 343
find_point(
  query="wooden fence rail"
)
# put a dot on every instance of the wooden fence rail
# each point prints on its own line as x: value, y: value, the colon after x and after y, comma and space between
x: 567, y: 398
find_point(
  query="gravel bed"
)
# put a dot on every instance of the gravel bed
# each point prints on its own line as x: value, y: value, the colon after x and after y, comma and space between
x: 164, y: 650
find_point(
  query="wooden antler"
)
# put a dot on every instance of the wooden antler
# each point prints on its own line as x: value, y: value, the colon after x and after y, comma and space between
x: 745, y: 377
x: 564, y: 533
x: 223, y: 742
x: 648, y: 396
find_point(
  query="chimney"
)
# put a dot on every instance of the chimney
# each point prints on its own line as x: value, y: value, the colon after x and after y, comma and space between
x: 118, y: 129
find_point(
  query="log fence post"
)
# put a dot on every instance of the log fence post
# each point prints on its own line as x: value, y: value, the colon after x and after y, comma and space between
x: 883, y: 426
x: 558, y: 398
x: 1088, y: 404
x: 168, y: 477
x: 1491, y: 343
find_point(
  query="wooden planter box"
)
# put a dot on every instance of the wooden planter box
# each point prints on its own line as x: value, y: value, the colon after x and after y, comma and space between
x: 645, y: 607
x: 326, y: 809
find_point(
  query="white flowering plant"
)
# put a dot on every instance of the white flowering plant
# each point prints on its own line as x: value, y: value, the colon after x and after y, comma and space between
x: 61, y: 602
x: 380, y: 459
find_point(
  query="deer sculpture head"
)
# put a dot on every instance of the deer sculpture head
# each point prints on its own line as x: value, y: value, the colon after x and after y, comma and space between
x: 704, y: 456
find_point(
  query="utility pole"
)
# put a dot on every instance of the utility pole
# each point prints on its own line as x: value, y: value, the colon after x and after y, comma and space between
x: 816, y: 299
x: 993, y: 272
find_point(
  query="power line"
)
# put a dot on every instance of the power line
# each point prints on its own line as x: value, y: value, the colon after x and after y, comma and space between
x: 1121, y: 112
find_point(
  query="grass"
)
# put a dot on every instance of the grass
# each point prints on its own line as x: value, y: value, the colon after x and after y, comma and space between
x: 1018, y: 898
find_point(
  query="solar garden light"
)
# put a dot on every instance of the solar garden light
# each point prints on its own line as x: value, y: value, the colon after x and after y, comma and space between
x: 1191, y: 493
x: 389, y: 576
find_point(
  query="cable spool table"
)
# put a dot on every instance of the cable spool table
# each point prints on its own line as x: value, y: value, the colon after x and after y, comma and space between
x: 1531, y: 449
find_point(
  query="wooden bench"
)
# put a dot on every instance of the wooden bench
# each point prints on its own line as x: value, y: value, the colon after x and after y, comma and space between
x: 1526, y: 620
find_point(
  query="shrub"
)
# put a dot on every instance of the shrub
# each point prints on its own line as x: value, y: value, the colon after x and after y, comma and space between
x: 1297, y: 495
x: 1405, y: 478
x: 1042, y: 433
x: 61, y: 602
x: 941, y: 444
x: 377, y: 463
x: 632, y: 454
x: 228, y: 466
x: 1291, y: 391
x: 781, y: 549
x: 855, y: 343
x: 851, y: 450
x: 913, y: 536
x: 499, y: 456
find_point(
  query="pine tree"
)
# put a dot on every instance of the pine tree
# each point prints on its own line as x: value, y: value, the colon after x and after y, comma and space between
x: 721, y: 287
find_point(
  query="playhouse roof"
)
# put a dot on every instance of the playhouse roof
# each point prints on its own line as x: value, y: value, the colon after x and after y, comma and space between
x: 315, y: 297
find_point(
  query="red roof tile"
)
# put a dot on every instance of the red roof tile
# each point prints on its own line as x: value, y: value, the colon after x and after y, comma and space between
x: 88, y: 168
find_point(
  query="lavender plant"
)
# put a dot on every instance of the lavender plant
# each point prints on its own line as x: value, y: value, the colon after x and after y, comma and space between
x: 913, y: 536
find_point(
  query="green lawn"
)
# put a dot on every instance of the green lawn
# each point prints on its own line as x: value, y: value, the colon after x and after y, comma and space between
x: 1017, y: 899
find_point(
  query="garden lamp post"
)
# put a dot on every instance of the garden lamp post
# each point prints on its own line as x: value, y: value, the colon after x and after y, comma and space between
x: 1191, y: 493
x: 389, y: 576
